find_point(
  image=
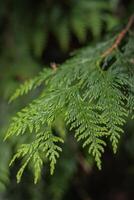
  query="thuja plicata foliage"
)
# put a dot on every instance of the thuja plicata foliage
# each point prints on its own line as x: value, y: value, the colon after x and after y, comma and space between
x: 92, y: 92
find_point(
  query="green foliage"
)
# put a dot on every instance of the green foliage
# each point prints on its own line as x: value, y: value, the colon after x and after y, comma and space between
x: 91, y: 94
x: 28, y: 39
x: 60, y: 181
x: 4, y: 167
x: 77, y: 17
x: 45, y: 143
x: 33, y: 29
x: 31, y: 84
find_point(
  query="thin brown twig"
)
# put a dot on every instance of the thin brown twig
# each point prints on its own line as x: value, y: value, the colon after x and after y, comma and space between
x: 119, y: 38
x: 53, y: 66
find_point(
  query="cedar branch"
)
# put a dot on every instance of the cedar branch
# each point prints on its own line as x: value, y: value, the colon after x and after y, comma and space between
x: 119, y: 38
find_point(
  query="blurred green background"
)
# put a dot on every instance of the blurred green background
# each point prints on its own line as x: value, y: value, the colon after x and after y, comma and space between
x: 33, y: 35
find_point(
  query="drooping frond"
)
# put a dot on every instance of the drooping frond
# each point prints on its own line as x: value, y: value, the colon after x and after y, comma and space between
x: 31, y: 84
x: 44, y: 145
x: 93, y: 94
x: 84, y: 118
